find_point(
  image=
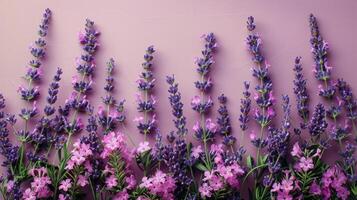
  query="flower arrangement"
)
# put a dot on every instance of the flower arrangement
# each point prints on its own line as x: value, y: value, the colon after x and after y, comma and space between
x: 99, y: 164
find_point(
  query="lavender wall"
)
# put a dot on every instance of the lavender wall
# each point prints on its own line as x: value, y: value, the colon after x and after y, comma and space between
x: 175, y: 27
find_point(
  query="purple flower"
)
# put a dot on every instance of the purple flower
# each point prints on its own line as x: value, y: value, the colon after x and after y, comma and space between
x: 319, y: 49
x: 9, y: 151
x: 177, y: 107
x: 37, y: 50
x: 349, y: 102
x: 245, y: 107
x: 205, y: 130
x: 318, y: 123
x: 114, y: 110
x: 146, y: 102
x: 82, y: 84
x: 224, y: 123
x: 278, y: 139
x: 264, y: 97
x: 302, y: 96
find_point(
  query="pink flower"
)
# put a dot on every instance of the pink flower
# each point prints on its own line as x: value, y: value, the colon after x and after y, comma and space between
x: 131, y: 181
x: 65, y: 185
x: 10, y: 185
x: 284, y: 196
x: 123, y: 195
x: 212, y: 127
x: 82, y: 180
x: 196, y: 100
x: 296, y: 150
x: 306, y: 164
x: 196, y: 127
x: 111, y: 181
x: 287, y: 185
x: 315, y: 189
x: 29, y: 195
x: 205, y: 190
x: 196, y: 151
x: 62, y: 197
x: 143, y: 147
x: 276, y: 187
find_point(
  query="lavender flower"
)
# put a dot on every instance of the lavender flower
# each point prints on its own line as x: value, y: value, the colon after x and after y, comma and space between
x: 349, y: 102
x: 224, y: 123
x: 264, y: 96
x: 278, y: 139
x: 302, y: 97
x: 177, y: 107
x: 9, y: 151
x: 245, y: 107
x: 109, y: 119
x: 37, y: 50
x: 320, y: 54
x: 318, y: 123
x: 200, y: 103
x: 146, y: 103
x: 78, y: 101
x: 42, y: 135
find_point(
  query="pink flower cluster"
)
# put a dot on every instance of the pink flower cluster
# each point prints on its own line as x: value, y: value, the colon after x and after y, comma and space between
x: 305, y: 160
x: 39, y: 186
x: 80, y: 154
x: 332, y: 180
x: 115, y: 141
x: 222, y: 175
x: 210, y: 126
x: 160, y: 184
x: 286, y: 187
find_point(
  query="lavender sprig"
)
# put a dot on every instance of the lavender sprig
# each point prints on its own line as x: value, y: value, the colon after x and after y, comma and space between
x: 319, y: 48
x: 9, y: 151
x: 107, y: 117
x: 42, y: 135
x: 146, y: 102
x: 82, y: 85
x: 205, y: 129
x: 32, y: 76
x: 264, y: 96
x: 245, y: 109
x: 318, y: 123
x: 177, y: 107
x: 349, y: 102
x: 224, y: 123
x: 302, y: 96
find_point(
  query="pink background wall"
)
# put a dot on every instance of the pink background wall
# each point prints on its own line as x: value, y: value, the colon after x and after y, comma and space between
x: 175, y: 27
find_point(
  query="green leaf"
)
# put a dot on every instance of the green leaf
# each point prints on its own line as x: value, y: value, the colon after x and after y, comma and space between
x: 250, y: 162
x: 201, y: 167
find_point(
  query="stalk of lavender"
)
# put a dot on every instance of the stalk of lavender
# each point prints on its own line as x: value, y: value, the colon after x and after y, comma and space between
x: 318, y: 125
x: 319, y: 49
x: 30, y: 93
x: 112, y: 114
x: 245, y: 109
x: 224, y: 123
x: 177, y: 155
x: 278, y: 143
x: 323, y: 73
x: 264, y: 96
x: 302, y: 96
x: 146, y: 101
x: 42, y: 136
x: 205, y: 129
x: 9, y: 151
x: 349, y: 102
x: 82, y: 84
x: 177, y: 107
